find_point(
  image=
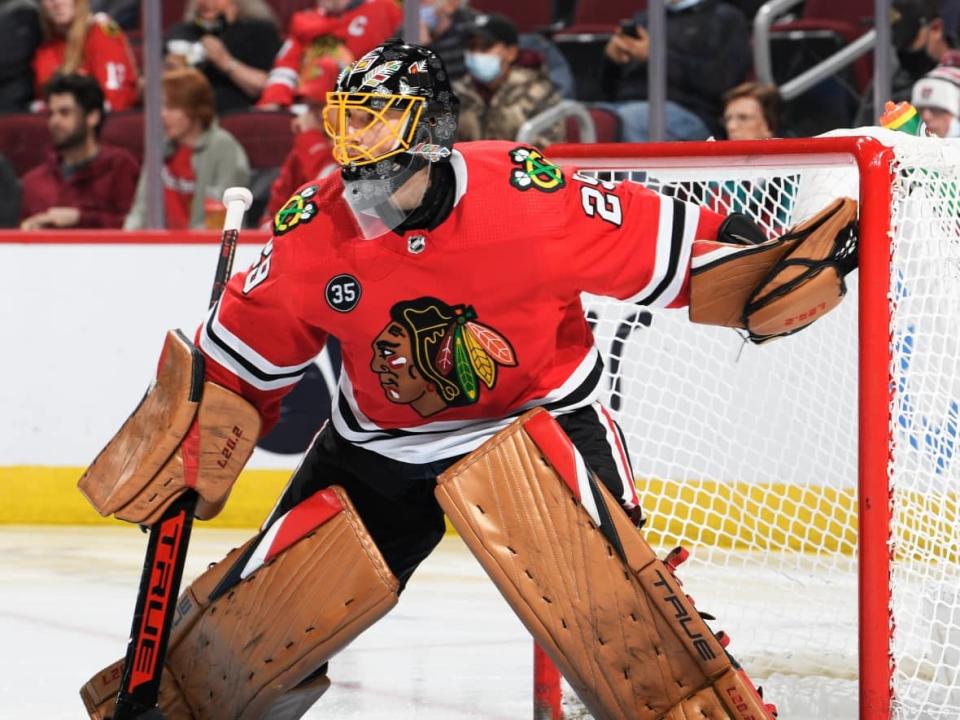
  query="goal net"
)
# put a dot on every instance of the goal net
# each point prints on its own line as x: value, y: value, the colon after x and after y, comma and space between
x: 813, y: 478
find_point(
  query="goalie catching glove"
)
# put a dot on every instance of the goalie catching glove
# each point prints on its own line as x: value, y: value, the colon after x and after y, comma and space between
x: 776, y: 287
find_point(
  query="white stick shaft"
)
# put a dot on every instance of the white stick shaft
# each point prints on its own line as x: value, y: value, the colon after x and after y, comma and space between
x: 237, y: 201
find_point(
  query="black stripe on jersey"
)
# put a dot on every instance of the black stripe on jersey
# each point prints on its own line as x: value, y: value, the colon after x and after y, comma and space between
x: 242, y: 361
x: 676, y: 245
x: 346, y: 412
x: 582, y: 392
x: 578, y: 395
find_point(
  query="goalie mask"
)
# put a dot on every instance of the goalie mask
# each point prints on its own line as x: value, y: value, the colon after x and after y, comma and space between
x: 392, y: 113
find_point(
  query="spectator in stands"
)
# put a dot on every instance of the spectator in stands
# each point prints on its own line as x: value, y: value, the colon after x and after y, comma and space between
x: 310, y: 157
x: 201, y: 159
x: 21, y: 36
x: 443, y: 29
x: 9, y: 195
x: 233, y: 42
x: 126, y: 13
x: 936, y: 96
x: 708, y: 52
x: 752, y: 111
x: 82, y: 184
x: 501, y: 91
x: 921, y: 41
x: 75, y: 41
x: 341, y: 29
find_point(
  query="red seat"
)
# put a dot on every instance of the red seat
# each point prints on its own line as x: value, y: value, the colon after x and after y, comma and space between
x: 528, y: 15
x: 603, y: 15
x: 266, y: 136
x: 172, y: 13
x: 846, y: 20
x: 24, y: 140
x: 607, y: 124
x: 125, y: 129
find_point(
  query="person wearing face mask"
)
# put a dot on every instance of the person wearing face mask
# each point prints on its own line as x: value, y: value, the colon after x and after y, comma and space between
x: 920, y: 40
x: 708, y: 52
x: 232, y: 42
x: 504, y: 86
x: 937, y: 98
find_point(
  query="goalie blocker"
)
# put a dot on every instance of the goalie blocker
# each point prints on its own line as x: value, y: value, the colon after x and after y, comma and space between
x: 587, y: 585
x: 186, y: 433
x: 229, y: 658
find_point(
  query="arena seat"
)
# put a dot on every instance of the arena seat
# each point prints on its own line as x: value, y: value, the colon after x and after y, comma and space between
x: 24, y: 140
x: 267, y: 139
x: 603, y: 15
x: 606, y: 123
x: 172, y: 12
x: 125, y: 129
x: 831, y: 25
x: 266, y: 136
x: 528, y: 16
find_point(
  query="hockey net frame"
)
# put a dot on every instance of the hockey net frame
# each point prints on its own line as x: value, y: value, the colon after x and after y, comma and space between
x: 876, y: 160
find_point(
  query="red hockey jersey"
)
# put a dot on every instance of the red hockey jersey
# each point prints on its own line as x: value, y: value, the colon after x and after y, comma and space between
x: 106, y: 57
x: 319, y: 33
x: 448, y: 334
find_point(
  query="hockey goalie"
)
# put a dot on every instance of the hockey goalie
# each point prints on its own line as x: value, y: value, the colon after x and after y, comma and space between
x: 452, y: 277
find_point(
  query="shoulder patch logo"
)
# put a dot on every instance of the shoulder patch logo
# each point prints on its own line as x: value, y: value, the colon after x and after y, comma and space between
x: 343, y: 292
x: 432, y: 355
x: 297, y: 210
x: 535, y: 171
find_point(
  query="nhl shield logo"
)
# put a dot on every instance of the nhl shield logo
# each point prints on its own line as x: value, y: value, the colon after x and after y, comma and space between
x: 416, y: 244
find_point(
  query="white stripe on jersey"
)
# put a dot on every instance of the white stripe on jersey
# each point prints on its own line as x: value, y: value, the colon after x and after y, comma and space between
x: 670, y: 275
x: 265, y: 376
x: 449, y: 438
x: 691, y: 218
x: 664, y: 244
x: 284, y: 76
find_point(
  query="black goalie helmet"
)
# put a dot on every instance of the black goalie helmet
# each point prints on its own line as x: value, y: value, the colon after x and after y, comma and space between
x: 392, y: 113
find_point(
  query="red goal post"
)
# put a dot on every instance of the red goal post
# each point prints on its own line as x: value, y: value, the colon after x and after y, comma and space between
x: 875, y: 163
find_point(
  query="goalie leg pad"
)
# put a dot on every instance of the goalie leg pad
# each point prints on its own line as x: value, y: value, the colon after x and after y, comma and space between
x: 184, y: 434
x: 585, y: 583
x: 253, y: 629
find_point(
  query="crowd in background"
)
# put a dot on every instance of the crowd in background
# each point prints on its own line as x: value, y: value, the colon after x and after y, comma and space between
x: 76, y: 65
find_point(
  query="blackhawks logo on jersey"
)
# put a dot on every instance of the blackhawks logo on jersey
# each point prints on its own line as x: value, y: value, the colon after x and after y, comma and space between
x: 432, y: 355
x: 535, y: 171
x: 297, y: 210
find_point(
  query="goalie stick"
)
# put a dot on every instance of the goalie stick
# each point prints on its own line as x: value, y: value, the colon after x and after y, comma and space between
x: 169, y: 538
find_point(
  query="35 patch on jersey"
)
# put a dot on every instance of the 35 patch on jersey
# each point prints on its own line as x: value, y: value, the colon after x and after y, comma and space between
x: 298, y: 210
x: 535, y: 171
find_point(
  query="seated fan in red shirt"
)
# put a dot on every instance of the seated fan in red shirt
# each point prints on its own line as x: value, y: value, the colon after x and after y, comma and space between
x: 76, y: 41
x: 470, y: 387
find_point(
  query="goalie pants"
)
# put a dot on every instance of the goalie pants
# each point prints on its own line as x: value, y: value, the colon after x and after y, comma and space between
x: 395, y: 500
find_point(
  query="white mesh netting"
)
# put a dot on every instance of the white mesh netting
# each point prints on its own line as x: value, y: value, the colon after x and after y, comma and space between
x: 748, y: 454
